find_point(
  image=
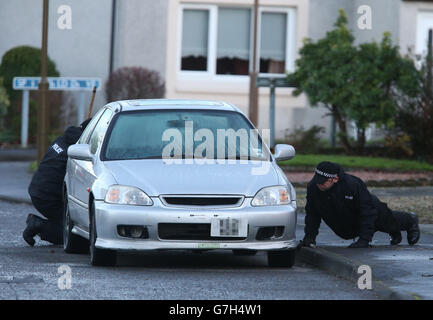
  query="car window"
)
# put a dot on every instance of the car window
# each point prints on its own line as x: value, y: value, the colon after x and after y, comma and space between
x: 99, y: 132
x: 86, y: 133
x: 139, y: 134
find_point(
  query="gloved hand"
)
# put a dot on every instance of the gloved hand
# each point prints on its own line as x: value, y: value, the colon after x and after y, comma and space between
x: 308, y: 242
x: 361, y: 243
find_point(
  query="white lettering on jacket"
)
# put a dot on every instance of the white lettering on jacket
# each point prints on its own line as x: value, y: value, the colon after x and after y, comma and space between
x: 57, y: 148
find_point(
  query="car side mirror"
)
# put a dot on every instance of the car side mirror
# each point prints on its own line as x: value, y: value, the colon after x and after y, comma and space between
x: 284, y: 152
x: 80, y: 152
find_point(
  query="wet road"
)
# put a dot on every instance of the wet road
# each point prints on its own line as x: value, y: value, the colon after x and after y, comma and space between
x: 33, y: 273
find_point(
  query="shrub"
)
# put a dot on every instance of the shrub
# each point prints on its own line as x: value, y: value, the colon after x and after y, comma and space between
x: 398, y: 145
x: 134, y: 83
x: 305, y: 141
x: 415, y: 114
x: 356, y: 83
x: 25, y: 61
x: 4, y: 103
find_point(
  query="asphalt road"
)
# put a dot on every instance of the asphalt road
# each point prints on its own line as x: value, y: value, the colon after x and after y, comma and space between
x: 33, y: 273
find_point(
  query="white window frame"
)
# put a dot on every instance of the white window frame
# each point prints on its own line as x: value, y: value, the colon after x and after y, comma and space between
x: 420, y: 47
x: 210, y: 73
x: 212, y: 39
x: 290, y: 39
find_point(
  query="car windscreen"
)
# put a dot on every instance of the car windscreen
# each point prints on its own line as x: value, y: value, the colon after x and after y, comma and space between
x: 204, y: 134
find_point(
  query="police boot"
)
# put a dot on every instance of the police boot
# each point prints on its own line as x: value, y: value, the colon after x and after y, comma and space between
x: 395, y: 238
x: 34, y: 226
x: 413, y: 232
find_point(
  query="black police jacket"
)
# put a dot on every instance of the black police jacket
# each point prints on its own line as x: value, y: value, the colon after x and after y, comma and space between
x: 347, y: 208
x: 47, y: 181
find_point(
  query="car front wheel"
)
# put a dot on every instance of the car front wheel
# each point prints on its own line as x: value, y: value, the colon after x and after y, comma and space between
x: 281, y: 258
x: 72, y: 243
x: 99, y: 257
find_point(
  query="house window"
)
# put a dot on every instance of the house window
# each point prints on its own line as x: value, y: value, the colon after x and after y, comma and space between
x: 273, y: 34
x: 233, y: 45
x: 424, y: 23
x: 217, y: 40
x: 195, y: 40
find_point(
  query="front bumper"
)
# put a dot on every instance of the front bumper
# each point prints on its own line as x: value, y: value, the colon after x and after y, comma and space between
x: 109, y: 216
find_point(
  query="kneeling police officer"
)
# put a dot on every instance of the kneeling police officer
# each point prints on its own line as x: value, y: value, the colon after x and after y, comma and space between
x: 347, y: 207
x: 46, y: 189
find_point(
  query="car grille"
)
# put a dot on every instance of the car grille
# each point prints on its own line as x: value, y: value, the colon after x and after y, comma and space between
x: 189, y: 231
x: 202, y: 201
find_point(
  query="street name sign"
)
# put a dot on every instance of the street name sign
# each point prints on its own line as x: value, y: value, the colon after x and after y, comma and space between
x: 57, y: 83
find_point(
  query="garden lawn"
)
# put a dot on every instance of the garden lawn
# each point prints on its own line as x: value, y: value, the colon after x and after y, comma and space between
x: 311, y: 160
x: 421, y: 205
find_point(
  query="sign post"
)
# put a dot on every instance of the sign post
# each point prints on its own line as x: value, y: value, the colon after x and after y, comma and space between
x: 55, y: 83
x: 24, y: 118
x: 272, y: 83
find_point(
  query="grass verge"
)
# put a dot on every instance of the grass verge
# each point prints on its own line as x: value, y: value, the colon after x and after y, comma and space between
x: 369, y: 163
x: 33, y: 167
x: 421, y: 205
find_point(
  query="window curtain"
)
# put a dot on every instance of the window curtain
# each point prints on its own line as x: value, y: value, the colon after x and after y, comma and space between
x: 273, y: 36
x: 195, y: 33
x: 234, y: 33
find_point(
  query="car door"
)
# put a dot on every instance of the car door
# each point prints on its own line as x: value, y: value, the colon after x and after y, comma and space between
x: 75, y: 207
x: 84, y: 175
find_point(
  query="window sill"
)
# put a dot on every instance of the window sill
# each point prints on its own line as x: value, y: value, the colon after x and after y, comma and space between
x: 220, y: 84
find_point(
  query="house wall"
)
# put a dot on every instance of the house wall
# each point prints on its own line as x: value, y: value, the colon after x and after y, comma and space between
x: 385, y: 18
x: 141, y: 34
x: 409, y: 23
x: 147, y: 34
x: 323, y: 15
x: 82, y: 51
x: 236, y: 89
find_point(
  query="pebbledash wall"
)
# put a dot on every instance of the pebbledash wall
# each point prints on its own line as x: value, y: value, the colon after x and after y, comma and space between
x: 235, y: 88
x: 148, y: 33
x: 312, y: 19
x: 82, y: 51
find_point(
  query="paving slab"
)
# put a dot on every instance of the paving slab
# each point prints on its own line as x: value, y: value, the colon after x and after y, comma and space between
x: 403, y: 269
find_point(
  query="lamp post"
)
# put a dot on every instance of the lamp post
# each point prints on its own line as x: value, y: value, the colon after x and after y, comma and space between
x: 254, y: 91
x: 43, y: 108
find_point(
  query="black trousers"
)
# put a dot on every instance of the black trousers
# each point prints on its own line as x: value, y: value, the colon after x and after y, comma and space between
x: 52, y: 228
x: 392, y: 222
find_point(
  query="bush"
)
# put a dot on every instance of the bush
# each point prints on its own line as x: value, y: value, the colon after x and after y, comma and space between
x: 134, y: 83
x: 4, y: 103
x: 305, y: 141
x: 353, y: 82
x: 25, y: 61
x: 415, y: 114
x: 398, y: 145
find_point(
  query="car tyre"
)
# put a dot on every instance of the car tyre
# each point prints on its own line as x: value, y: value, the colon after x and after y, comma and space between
x: 72, y: 243
x: 281, y: 258
x: 99, y: 257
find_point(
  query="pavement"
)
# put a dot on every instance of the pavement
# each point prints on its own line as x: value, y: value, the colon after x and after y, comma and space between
x: 398, y: 272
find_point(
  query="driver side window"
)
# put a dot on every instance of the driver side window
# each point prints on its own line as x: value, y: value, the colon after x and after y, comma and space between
x: 86, y: 133
x: 99, y: 132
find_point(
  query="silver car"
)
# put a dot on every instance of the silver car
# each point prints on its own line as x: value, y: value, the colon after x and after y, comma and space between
x: 177, y: 175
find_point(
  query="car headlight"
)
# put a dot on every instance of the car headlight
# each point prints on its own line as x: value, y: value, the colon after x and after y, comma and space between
x: 271, y: 196
x: 127, y: 195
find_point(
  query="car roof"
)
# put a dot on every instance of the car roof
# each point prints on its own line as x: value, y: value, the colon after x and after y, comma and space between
x: 160, y: 104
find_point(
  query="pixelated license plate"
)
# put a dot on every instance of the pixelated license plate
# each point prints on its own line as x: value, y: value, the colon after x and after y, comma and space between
x: 229, y: 227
